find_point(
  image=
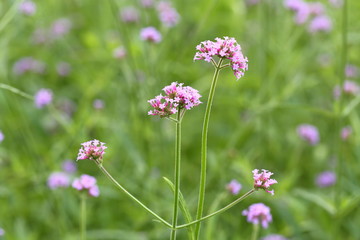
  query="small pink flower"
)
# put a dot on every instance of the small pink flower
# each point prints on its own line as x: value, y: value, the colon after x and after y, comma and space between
x: 326, y: 179
x: 86, y: 183
x: 98, y: 104
x: 274, y: 237
x: 263, y: 180
x: 119, y: 52
x: 309, y: 133
x: 258, y: 213
x: 320, y: 23
x: 226, y: 48
x: 27, y: 8
x: 43, y: 97
x: 69, y: 166
x: 92, y: 150
x: 58, y: 180
x: 336, y: 3
x: 147, y: 3
x: 2, y: 137
x: 2, y: 232
x: 176, y: 97
x: 63, y: 69
x: 167, y: 14
x: 61, y: 27
x: 234, y: 187
x: 346, y: 132
x: 129, y: 14
x: 351, y: 87
x: 351, y: 71
x: 150, y: 34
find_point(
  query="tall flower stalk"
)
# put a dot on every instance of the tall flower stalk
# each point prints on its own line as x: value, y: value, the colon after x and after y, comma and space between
x: 226, y: 48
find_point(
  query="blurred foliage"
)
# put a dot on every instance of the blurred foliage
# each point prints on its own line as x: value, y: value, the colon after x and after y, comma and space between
x: 253, y: 121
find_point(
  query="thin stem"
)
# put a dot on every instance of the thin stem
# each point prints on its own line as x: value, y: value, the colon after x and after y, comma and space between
x: 177, y: 174
x: 132, y: 197
x: 255, y: 232
x: 83, y: 216
x: 218, y: 211
x: 16, y: 91
x: 200, y: 206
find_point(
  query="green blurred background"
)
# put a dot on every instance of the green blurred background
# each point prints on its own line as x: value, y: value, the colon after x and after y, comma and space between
x: 290, y: 81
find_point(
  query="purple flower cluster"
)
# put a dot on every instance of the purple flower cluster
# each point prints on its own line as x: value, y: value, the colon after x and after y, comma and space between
x: 129, y: 14
x: 43, y: 97
x: 92, y: 150
x: 63, y: 69
x: 177, y: 97
x: 2, y: 137
x: 119, y: 52
x: 345, y: 132
x: 167, y: 14
x: 305, y: 10
x: 2, y: 232
x: 309, y: 133
x: 258, y: 213
x: 223, y: 48
x: 58, y: 180
x: 86, y: 183
x: 98, y: 104
x: 69, y: 166
x: 28, y: 64
x: 263, y: 180
x: 234, y: 187
x: 58, y: 29
x: 150, y: 34
x: 325, y: 179
x: 274, y: 237
x: 351, y: 71
x: 349, y: 88
x: 61, y: 27
x: 27, y: 8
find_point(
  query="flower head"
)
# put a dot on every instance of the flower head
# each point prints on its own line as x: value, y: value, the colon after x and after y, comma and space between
x: 176, y: 97
x: 258, y: 213
x: 150, y: 34
x: 58, y: 180
x: 2, y: 232
x: 61, y: 27
x: 86, y: 183
x: 226, y: 48
x: 320, y: 23
x: 234, y: 187
x: 43, y: 97
x: 27, y: 8
x: 325, y: 179
x: 2, y: 137
x: 63, y: 69
x: 119, y: 52
x: 309, y: 133
x: 98, y: 104
x: 69, y: 166
x: 351, y: 71
x: 351, y: 87
x: 263, y: 180
x: 92, y: 150
x: 28, y: 64
x: 346, y: 132
x: 167, y: 14
x: 274, y: 237
x: 129, y: 14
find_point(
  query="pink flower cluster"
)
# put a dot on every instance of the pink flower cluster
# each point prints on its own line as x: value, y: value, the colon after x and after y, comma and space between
x: 92, y: 150
x: 58, y: 180
x: 43, y: 97
x: 304, y: 10
x: 223, y: 48
x: 87, y: 183
x: 258, y: 213
x: 27, y: 8
x: 263, y: 180
x: 176, y: 97
x: 349, y: 87
x: 167, y: 14
x: 150, y: 34
x: 309, y: 133
x: 234, y: 187
x: 28, y: 64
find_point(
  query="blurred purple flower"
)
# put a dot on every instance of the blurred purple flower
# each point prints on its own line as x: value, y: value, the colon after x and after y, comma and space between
x: 320, y: 23
x: 87, y: 183
x: 309, y: 133
x: 58, y: 180
x: 2, y: 232
x: 167, y: 14
x: 28, y: 64
x: 263, y: 180
x: 294, y: 5
x: 252, y: 2
x: 129, y: 14
x: 147, y: 3
x: 63, y: 69
x: 337, y: 91
x: 2, y: 137
x: 274, y: 237
x: 69, y: 166
x: 43, y: 97
x: 316, y: 8
x: 351, y: 71
x: 119, y: 52
x: 351, y: 87
x: 234, y: 187
x: 346, y: 132
x: 150, y: 34
x: 258, y: 213
x: 336, y: 3
x: 61, y: 27
x: 325, y: 179
x: 92, y: 150
x: 40, y: 36
x: 98, y: 104
x: 27, y: 8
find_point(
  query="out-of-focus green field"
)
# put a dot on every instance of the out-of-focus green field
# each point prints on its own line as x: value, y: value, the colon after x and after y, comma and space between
x: 290, y: 81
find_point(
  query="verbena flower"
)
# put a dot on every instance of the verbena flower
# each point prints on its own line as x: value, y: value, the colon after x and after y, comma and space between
x: 43, y: 97
x: 176, y: 97
x: 63, y: 69
x: 119, y: 52
x: 325, y: 179
x: 263, y: 180
x: 129, y: 14
x: 320, y: 23
x: 258, y: 213
x: 98, y: 104
x: 92, y: 150
x: 274, y: 237
x: 86, y: 183
x: 226, y: 48
x: 2, y: 137
x: 147, y: 3
x: 351, y: 71
x: 61, y: 27
x: 28, y: 64
x: 336, y: 3
x: 2, y: 232
x: 309, y: 133
x: 58, y: 180
x: 234, y: 187
x: 150, y: 34
x: 346, y: 132
x: 69, y: 166
x: 351, y: 87
x: 27, y: 8
x: 167, y: 14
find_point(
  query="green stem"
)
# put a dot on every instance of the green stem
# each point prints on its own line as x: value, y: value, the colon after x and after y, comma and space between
x: 255, y: 232
x: 200, y: 206
x: 132, y: 197
x: 83, y: 216
x: 16, y: 91
x: 177, y: 174
x: 218, y: 211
